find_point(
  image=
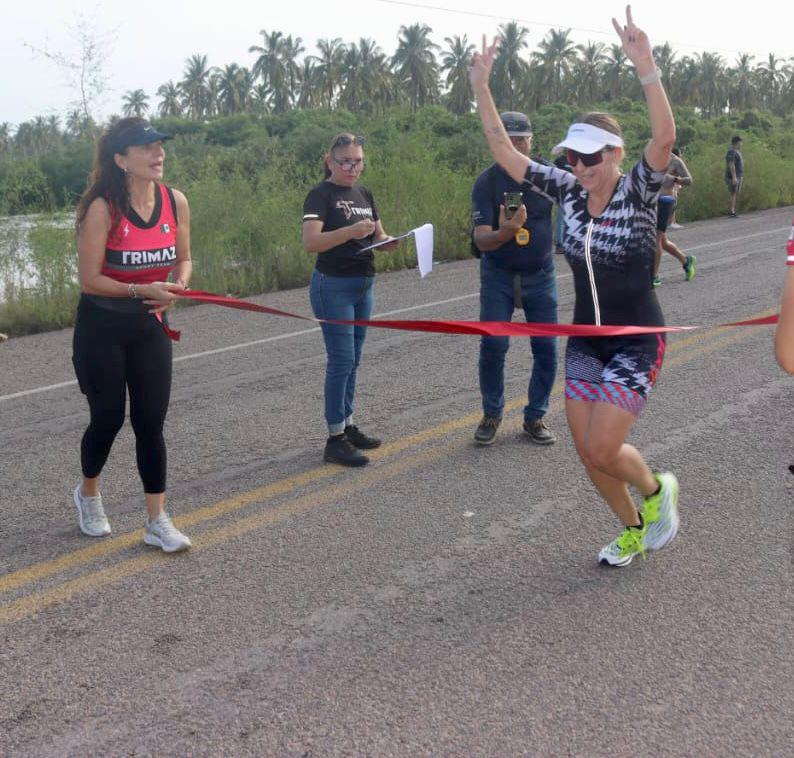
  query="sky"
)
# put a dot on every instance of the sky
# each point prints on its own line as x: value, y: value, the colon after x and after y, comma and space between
x: 150, y: 44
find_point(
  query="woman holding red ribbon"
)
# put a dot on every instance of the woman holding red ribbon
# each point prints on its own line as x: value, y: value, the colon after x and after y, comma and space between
x: 132, y: 233
x: 340, y: 221
x: 609, y: 242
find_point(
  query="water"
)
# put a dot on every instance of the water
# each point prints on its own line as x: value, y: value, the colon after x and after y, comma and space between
x: 21, y: 267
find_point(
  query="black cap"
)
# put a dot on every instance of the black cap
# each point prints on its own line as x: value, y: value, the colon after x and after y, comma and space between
x: 142, y: 133
x: 516, y: 124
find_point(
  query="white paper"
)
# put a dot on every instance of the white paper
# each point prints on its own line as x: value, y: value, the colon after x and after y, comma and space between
x: 424, y: 246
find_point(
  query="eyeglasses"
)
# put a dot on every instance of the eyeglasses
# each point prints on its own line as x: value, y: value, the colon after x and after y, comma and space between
x: 345, y: 139
x: 349, y: 164
x: 587, y: 159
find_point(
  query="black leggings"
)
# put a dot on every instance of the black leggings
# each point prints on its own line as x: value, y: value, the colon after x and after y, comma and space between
x: 113, y: 351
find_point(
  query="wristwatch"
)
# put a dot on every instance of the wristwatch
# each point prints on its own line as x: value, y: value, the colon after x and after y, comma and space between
x: 656, y: 76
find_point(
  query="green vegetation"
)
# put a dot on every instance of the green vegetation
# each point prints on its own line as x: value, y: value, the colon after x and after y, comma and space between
x: 246, y: 177
x: 248, y: 144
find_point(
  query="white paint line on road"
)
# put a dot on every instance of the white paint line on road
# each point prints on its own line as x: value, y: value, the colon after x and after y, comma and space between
x: 289, y: 335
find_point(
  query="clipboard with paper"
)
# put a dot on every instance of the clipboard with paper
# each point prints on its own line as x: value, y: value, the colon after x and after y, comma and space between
x: 423, y: 238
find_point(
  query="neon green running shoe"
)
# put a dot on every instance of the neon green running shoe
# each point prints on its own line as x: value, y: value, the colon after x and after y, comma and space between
x: 660, y: 513
x: 689, y: 268
x: 621, y: 551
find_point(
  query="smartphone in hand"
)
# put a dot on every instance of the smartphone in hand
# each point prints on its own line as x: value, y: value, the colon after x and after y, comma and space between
x: 513, y: 202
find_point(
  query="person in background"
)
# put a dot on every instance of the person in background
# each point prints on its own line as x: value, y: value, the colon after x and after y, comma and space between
x: 673, y: 219
x: 516, y: 271
x: 734, y: 171
x: 677, y: 176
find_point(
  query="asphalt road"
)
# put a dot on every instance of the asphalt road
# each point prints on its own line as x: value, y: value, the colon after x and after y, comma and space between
x: 445, y: 600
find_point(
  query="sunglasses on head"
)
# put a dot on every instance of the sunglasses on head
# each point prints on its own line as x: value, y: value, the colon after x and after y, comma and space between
x: 587, y: 159
x: 345, y: 139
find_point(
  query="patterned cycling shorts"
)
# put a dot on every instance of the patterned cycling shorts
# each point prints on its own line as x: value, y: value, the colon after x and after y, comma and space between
x: 615, y: 370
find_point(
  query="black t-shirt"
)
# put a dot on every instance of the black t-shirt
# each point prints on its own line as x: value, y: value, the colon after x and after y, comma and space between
x: 338, y: 207
x: 487, y: 194
x: 735, y: 157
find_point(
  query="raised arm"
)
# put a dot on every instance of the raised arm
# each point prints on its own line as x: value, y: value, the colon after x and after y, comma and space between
x: 513, y: 162
x: 639, y: 51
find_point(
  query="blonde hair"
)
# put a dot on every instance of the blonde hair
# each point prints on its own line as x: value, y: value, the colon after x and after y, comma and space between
x: 602, y: 121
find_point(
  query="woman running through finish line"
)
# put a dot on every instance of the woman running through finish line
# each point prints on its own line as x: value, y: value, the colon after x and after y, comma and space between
x: 609, y: 242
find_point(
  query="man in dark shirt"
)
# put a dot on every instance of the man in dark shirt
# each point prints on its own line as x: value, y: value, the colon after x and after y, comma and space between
x: 734, y: 171
x: 512, y: 231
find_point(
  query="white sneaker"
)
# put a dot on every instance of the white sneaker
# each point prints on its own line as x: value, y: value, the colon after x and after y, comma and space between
x: 163, y: 534
x: 676, y: 226
x: 660, y: 513
x: 91, y: 514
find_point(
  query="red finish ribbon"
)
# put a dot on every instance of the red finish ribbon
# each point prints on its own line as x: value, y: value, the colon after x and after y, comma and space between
x: 482, y: 328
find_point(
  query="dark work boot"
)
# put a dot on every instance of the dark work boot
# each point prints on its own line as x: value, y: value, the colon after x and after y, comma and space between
x: 339, y: 449
x: 360, y: 440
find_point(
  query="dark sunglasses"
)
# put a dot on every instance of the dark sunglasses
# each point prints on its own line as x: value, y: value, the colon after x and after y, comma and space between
x: 345, y: 139
x: 587, y: 159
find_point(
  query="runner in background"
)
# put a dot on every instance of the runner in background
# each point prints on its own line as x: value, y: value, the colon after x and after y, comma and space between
x: 132, y: 233
x: 610, y: 221
x: 677, y: 176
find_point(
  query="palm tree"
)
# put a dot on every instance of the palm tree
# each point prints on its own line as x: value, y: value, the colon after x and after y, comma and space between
x: 171, y: 99
x: 556, y: 55
x: 615, y: 72
x: 350, y: 95
x: 376, y: 79
x: 277, y: 68
x: 665, y: 61
x: 329, y: 68
x: 195, y: 86
x: 5, y: 136
x: 136, y: 103
x: 509, y: 68
x: 228, y: 90
x: 213, y: 93
x: 588, y: 71
x: 310, y: 87
x: 770, y: 81
x: 290, y: 51
x: 711, y: 84
x: 455, y: 61
x: 415, y: 64
x: 742, y: 92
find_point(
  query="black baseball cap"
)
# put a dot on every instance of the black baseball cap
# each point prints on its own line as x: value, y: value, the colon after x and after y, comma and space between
x: 516, y: 124
x: 142, y: 133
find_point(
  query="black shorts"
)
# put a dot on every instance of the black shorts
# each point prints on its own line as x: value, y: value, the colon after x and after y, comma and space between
x: 664, y: 210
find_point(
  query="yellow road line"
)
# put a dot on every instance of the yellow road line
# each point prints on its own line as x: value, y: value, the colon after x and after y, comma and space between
x: 21, y: 577
x: 38, y: 601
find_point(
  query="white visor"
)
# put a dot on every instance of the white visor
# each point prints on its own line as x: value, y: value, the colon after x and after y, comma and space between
x: 586, y: 138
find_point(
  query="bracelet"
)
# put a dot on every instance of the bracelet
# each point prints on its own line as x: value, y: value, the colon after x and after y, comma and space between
x: 132, y: 290
x: 656, y: 76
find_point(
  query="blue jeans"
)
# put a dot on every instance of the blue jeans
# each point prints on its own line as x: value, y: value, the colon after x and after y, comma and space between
x: 349, y: 298
x: 497, y: 301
